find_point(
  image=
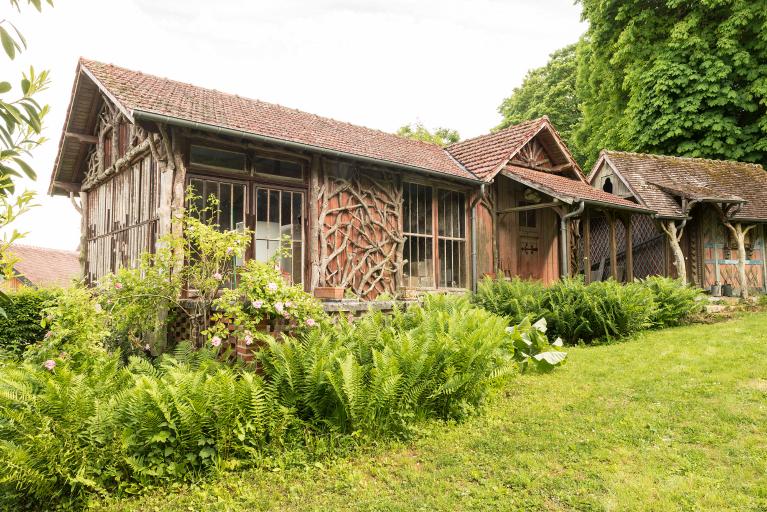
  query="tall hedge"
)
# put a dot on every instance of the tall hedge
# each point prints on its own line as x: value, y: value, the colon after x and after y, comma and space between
x: 22, y: 325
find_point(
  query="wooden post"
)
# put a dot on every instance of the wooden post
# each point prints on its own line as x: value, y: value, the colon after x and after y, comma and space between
x: 84, y: 236
x: 613, y: 246
x: 587, y: 246
x: 629, y: 249
x: 314, y: 220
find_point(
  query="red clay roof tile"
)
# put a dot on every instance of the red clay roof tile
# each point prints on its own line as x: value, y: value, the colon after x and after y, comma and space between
x: 138, y: 91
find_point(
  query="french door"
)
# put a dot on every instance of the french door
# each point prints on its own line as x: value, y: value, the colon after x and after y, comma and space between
x: 274, y: 214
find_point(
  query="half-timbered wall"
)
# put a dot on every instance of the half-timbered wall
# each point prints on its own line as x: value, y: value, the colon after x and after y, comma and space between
x: 122, y: 219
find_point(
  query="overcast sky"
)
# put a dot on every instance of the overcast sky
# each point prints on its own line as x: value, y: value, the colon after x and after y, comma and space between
x: 378, y: 63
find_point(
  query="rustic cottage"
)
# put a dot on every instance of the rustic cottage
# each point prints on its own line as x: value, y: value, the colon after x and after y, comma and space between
x: 710, y: 215
x: 366, y: 210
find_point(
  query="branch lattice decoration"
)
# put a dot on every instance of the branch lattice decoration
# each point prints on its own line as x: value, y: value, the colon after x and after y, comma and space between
x: 360, y: 237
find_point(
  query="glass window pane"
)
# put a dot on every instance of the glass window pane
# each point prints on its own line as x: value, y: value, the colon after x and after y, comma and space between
x: 298, y: 216
x: 260, y: 250
x: 225, y: 207
x: 281, y: 168
x: 238, y: 204
x: 211, y: 157
x: 273, y: 224
x: 285, y: 216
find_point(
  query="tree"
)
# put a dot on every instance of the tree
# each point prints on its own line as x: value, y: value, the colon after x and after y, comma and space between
x: 20, y: 128
x: 548, y: 90
x: 440, y: 136
x: 674, y: 77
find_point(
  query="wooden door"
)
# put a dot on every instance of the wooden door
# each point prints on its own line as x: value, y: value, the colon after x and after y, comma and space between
x: 529, y: 245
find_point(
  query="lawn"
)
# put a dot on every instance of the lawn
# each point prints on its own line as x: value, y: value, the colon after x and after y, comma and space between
x: 672, y: 420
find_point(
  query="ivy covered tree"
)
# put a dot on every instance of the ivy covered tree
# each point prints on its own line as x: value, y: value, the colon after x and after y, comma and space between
x: 548, y: 90
x: 675, y: 77
x: 440, y: 136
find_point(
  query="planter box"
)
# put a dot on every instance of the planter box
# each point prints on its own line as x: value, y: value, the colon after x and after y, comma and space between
x: 329, y: 292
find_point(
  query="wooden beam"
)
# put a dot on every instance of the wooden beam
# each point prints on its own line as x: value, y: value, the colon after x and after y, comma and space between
x: 68, y: 186
x: 528, y: 207
x: 587, y: 246
x: 613, y: 246
x: 82, y: 137
x: 629, y: 249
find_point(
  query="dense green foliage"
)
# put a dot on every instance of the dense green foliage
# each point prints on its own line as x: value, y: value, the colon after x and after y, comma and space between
x: 548, y: 91
x: 83, y: 422
x: 440, y: 136
x: 671, y: 421
x: 674, y: 77
x: 599, y: 311
x: 674, y: 302
x: 22, y: 325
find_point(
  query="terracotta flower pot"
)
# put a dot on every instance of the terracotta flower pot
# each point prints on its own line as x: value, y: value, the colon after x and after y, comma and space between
x: 329, y: 292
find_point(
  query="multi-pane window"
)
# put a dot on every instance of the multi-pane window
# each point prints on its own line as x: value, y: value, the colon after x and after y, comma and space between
x: 279, y: 216
x: 421, y: 204
x: 230, y: 197
x: 527, y: 218
x: 451, y: 239
x: 417, y: 226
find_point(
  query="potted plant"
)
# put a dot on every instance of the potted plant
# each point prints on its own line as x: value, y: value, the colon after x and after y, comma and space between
x: 329, y: 292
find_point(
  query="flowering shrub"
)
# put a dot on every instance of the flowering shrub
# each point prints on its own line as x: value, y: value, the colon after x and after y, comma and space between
x: 77, y: 329
x: 262, y: 295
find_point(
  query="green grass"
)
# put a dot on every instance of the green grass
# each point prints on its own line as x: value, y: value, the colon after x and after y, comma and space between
x: 671, y: 420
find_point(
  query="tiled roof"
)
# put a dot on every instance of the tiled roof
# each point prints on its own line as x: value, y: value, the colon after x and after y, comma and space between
x: 484, y: 154
x: 46, y: 267
x: 142, y: 92
x: 658, y: 179
x: 562, y: 187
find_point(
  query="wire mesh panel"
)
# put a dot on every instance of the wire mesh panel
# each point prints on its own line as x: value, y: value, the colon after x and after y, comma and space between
x: 649, y: 247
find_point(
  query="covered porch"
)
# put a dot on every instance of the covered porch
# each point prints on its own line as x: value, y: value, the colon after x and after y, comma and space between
x: 550, y: 226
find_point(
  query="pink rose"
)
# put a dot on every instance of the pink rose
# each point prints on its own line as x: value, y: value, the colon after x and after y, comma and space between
x: 257, y: 304
x: 229, y: 251
x: 215, y: 341
x: 50, y: 364
x: 217, y: 276
x: 272, y: 287
x: 277, y: 268
x: 248, y: 339
x: 48, y: 334
x: 310, y: 322
x: 118, y: 286
x: 288, y: 304
x: 278, y: 307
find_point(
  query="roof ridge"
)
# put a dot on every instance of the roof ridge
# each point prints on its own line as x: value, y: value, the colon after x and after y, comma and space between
x: 677, y: 157
x: 85, y: 62
x: 517, y: 125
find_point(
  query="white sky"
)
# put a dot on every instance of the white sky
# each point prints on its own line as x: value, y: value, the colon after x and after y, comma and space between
x: 378, y: 63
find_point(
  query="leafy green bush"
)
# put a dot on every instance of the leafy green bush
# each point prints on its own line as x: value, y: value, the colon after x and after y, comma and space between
x: 574, y: 311
x: 381, y: 373
x: 674, y: 300
x: 75, y: 420
x: 22, y: 327
x: 514, y: 299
